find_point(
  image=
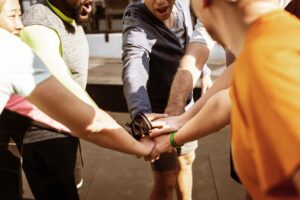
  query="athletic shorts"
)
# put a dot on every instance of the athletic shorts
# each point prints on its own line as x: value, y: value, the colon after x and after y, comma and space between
x: 168, y: 161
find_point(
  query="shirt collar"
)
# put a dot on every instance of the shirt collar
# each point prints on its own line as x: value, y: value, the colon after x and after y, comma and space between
x: 61, y: 15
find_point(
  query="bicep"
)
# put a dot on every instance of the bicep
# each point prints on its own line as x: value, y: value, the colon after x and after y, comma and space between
x: 46, y: 44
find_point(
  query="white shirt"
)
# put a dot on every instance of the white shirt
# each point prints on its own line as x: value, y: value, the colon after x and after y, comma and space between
x: 284, y: 3
x: 20, y: 69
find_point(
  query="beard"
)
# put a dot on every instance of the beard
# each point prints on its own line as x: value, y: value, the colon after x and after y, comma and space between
x: 84, y: 12
x: 80, y: 13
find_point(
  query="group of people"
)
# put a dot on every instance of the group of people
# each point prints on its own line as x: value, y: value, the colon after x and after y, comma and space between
x: 163, y: 57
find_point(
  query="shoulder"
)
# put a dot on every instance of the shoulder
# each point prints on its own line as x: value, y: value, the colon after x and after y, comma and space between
x: 136, y: 22
x: 36, y: 14
x: 184, y: 4
x: 134, y: 15
x: 37, y: 35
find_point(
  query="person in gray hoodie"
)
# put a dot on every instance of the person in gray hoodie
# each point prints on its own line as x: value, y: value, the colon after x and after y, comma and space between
x: 155, y: 37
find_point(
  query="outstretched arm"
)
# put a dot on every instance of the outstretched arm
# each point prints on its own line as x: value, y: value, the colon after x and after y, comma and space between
x: 186, y: 77
x: 174, y: 123
x: 84, y: 121
x: 218, y: 108
x: 191, y: 64
x: 45, y: 43
x: 223, y: 82
x: 135, y: 74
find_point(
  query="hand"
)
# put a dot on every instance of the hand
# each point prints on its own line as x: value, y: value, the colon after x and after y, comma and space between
x: 170, y: 124
x: 206, y: 83
x: 148, y: 143
x: 153, y: 118
x: 162, y: 144
x: 153, y: 153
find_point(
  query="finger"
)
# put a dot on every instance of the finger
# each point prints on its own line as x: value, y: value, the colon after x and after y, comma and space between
x: 154, y: 155
x: 158, y: 124
x: 154, y: 116
x: 160, y: 131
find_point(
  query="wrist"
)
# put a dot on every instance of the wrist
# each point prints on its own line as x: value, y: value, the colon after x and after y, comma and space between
x: 172, y: 140
x: 174, y: 110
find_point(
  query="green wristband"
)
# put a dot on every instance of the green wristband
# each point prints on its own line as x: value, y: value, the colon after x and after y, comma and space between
x: 172, y: 141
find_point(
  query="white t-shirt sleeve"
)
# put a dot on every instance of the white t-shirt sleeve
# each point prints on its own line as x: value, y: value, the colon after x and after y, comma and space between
x: 20, y: 70
x: 284, y: 3
x: 200, y: 35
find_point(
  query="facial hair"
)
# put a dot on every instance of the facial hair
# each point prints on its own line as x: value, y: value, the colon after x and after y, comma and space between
x: 80, y: 19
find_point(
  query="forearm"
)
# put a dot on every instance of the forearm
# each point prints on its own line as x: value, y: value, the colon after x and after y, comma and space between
x: 180, y: 91
x: 186, y: 77
x: 107, y: 133
x: 223, y: 82
x: 84, y: 121
x: 296, y: 180
x: 213, y: 116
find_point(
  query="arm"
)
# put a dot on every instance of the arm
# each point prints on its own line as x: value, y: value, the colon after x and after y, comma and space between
x: 174, y: 123
x: 223, y: 82
x: 87, y: 122
x: 192, y: 63
x: 186, y: 77
x: 206, y: 82
x: 218, y: 107
x: 46, y: 44
x: 135, y: 72
x: 296, y: 179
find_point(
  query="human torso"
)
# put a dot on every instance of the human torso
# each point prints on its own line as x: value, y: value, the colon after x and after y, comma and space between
x: 20, y: 70
x: 74, y: 51
x: 260, y: 134
x: 166, y: 49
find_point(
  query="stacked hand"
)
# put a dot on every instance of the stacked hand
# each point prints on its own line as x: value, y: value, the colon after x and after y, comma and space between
x: 160, y: 134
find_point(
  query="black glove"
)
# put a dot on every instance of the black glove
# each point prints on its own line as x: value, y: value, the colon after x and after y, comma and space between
x: 139, y: 126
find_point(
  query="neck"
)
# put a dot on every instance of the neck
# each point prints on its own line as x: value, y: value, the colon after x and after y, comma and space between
x: 230, y: 27
x: 170, y: 21
x: 239, y: 20
x: 59, y: 4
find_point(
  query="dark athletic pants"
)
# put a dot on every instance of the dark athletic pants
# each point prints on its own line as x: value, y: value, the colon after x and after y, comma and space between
x: 49, y: 168
x: 53, y: 160
x: 12, y: 126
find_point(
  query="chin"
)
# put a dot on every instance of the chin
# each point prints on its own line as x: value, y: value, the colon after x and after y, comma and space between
x: 83, y: 19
